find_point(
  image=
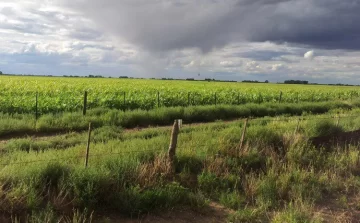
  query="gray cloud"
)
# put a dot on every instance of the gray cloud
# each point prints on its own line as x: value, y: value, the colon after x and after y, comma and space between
x: 82, y: 46
x: 328, y: 24
x: 262, y: 55
x: 85, y: 34
x: 25, y: 27
x: 162, y: 25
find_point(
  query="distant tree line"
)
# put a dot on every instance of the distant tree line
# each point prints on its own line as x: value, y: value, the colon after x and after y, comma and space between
x: 188, y: 79
x: 251, y: 81
x: 295, y: 82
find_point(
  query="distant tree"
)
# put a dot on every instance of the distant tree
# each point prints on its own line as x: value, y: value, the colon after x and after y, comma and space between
x: 1, y: 73
x: 266, y: 81
x: 295, y: 82
x: 123, y: 77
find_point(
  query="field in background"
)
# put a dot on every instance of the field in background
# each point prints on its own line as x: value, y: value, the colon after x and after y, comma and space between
x: 57, y: 94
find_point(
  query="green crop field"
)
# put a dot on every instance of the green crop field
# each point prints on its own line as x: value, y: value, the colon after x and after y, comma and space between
x: 57, y: 94
x: 66, y: 166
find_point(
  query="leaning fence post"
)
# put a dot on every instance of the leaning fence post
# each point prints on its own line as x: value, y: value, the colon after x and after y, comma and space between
x: 280, y: 97
x: 188, y: 98
x: 215, y: 99
x: 158, y: 99
x: 88, y: 147
x: 85, y: 102
x: 36, y: 106
x: 173, y: 144
x: 243, y: 135
x: 124, y: 101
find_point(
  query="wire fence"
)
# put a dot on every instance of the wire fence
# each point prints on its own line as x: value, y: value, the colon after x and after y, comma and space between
x: 337, y: 118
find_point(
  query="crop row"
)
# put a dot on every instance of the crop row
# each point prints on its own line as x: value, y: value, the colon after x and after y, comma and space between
x: 50, y: 95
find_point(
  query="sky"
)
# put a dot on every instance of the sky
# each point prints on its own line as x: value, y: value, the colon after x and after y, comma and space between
x: 275, y: 40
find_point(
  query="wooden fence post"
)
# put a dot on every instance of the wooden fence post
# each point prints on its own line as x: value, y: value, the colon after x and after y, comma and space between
x: 243, y: 135
x: 158, y: 99
x: 85, y: 102
x: 88, y: 147
x: 36, y: 106
x: 124, y: 101
x: 188, y: 98
x: 173, y: 144
x: 280, y: 97
x: 215, y: 99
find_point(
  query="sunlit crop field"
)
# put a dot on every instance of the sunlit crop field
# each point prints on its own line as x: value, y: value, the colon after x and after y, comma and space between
x: 56, y: 94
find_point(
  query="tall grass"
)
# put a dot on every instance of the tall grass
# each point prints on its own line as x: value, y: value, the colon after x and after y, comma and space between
x: 275, y: 178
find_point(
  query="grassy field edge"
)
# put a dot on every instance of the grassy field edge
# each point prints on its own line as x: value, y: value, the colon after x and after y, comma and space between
x: 25, y: 124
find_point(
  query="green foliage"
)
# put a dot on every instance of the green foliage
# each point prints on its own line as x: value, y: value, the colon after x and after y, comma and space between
x: 325, y: 127
x: 248, y: 215
x: 264, y: 136
x: 134, y: 200
x: 211, y: 184
x: 232, y: 200
x: 107, y: 133
x: 128, y: 173
x: 66, y: 94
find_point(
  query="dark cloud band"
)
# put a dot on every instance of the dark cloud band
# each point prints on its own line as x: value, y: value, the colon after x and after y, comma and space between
x: 166, y: 24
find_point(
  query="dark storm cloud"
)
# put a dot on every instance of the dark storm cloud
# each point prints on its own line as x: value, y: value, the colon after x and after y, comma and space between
x: 328, y: 24
x: 162, y: 25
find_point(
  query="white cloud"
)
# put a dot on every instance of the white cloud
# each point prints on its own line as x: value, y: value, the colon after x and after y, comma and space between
x: 309, y: 55
x: 229, y: 63
x: 252, y: 66
x: 277, y: 67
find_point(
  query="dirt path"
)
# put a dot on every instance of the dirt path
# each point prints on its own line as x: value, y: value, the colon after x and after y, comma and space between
x: 44, y: 135
x: 214, y: 213
x: 341, y: 210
